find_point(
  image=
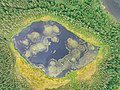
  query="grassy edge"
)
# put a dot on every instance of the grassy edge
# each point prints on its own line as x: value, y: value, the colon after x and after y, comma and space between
x: 80, y: 32
x: 34, y: 75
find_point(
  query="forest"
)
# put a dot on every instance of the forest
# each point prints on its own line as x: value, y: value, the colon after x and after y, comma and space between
x: 89, y: 15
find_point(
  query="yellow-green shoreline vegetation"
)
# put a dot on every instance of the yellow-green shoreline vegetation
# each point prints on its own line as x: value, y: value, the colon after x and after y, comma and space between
x: 34, y: 76
x: 80, y: 74
x: 85, y: 18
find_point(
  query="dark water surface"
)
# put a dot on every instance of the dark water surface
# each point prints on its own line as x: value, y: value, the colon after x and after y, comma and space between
x: 58, y: 57
x: 113, y: 6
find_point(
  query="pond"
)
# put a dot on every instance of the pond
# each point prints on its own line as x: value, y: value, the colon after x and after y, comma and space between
x: 113, y: 6
x: 50, y: 47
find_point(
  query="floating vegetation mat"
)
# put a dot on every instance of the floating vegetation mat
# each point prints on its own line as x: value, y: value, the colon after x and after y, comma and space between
x: 52, y: 48
x: 58, y: 45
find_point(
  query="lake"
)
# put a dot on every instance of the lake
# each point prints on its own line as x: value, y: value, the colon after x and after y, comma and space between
x: 50, y: 47
x: 113, y: 6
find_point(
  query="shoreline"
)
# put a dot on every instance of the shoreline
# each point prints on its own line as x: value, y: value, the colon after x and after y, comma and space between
x: 112, y: 7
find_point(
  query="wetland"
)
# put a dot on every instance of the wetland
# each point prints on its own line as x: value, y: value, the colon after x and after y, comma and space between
x: 52, y: 48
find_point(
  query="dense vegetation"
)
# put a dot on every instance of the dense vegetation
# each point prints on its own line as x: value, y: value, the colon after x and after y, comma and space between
x: 8, y: 79
x: 88, y: 14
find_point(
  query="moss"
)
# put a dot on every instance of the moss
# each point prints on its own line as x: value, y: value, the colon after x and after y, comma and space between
x: 27, y: 54
x: 85, y: 18
x: 55, y: 39
x: 25, y: 42
x: 72, y: 43
x: 50, y: 30
x: 34, y: 76
x: 34, y: 36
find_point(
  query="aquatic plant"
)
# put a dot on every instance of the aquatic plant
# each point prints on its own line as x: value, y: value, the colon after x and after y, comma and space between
x: 85, y: 18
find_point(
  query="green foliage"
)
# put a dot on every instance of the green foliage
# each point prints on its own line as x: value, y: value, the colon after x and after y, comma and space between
x: 88, y: 14
x: 8, y: 80
x: 6, y: 65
